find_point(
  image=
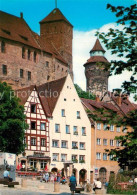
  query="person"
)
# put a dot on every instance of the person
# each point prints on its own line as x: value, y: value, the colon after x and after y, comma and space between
x: 6, y: 175
x: 135, y: 180
x: 58, y: 177
x: 63, y: 181
x: 73, y: 183
x: 97, y: 184
x: 52, y: 177
x: 47, y: 177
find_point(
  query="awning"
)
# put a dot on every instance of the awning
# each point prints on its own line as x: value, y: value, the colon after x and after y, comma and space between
x: 39, y: 157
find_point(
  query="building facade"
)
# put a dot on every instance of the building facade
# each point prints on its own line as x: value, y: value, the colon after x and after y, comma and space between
x: 96, y: 76
x: 27, y: 58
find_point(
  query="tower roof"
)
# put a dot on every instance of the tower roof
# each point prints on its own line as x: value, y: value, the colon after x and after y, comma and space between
x: 55, y: 15
x: 97, y: 47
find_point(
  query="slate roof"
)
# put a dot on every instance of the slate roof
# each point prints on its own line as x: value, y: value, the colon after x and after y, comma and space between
x: 55, y: 15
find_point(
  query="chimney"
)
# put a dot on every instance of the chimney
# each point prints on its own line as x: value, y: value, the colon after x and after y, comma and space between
x: 97, y: 99
x: 119, y: 99
x: 21, y: 15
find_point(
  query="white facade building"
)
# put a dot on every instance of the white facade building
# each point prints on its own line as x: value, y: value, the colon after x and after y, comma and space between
x: 70, y: 134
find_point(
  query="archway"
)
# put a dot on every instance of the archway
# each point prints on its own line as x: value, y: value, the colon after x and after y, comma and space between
x: 82, y: 175
x: 54, y: 170
x: 103, y: 175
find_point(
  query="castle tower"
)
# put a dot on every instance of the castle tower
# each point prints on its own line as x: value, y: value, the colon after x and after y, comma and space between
x: 59, y: 32
x: 96, y: 76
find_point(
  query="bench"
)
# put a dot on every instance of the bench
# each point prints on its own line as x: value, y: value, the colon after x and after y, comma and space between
x: 78, y: 189
x: 9, y: 183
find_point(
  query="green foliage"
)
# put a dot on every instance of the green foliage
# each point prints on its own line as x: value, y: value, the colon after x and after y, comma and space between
x: 84, y: 94
x: 12, y: 121
x: 123, y: 44
x: 111, y: 183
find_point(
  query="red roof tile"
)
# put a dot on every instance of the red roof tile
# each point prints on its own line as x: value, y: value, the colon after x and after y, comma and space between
x: 97, y: 46
x: 55, y: 15
x: 94, y: 59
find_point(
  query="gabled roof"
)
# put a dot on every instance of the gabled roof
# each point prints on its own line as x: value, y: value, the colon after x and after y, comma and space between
x: 55, y: 15
x: 94, y: 59
x: 97, y: 47
x: 48, y: 94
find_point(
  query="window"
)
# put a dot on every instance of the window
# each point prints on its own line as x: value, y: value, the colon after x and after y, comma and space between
x: 57, y: 128
x: 98, y: 156
x: 117, y: 143
x: 98, y: 141
x: 23, y: 52
x: 105, y: 126
x: 43, y: 126
x: 43, y: 142
x: 75, y: 130
x: 33, y: 108
x: 64, y: 144
x: 83, y: 131
x: 63, y: 157
x: 124, y: 129
x: 28, y: 54
x: 78, y: 114
x: 118, y: 129
x: 105, y: 142
x: 33, y: 125
x: 21, y: 73
x: 62, y: 112
x: 25, y: 142
x: 74, y: 145
x: 43, y: 164
x: 65, y: 99
x: 74, y: 158
x: 33, y: 163
x: 3, y: 49
x: 81, y: 159
x: 111, y: 127
x: 4, y: 69
x: 111, y: 142
x: 55, y: 157
x: 55, y: 143
x: 29, y: 75
x: 104, y: 156
x: 33, y: 141
x: 111, y: 157
x: 67, y: 129
x: 35, y: 55
x: 98, y: 126
x: 47, y: 64
x: 82, y: 146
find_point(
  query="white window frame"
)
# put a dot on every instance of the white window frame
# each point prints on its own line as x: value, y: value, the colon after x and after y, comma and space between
x: 111, y: 142
x: 54, y: 145
x: 104, y: 156
x: 105, y: 140
x: 98, y: 141
x: 57, y: 128
x: 118, y: 129
x: 42, y: 126
x: 112, y: 128
x: 63, y: 112
x: 98, y: 126
x: 98, y: 155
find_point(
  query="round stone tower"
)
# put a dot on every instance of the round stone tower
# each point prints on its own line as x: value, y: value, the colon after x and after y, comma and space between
x: 96, y: 76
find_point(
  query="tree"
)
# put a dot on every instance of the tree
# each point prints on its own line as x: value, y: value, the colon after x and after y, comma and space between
x: 84, y: 94
x: 123, y: 44
x: 12, y: 121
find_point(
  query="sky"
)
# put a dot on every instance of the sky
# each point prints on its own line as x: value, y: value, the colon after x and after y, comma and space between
x: 86, y: 16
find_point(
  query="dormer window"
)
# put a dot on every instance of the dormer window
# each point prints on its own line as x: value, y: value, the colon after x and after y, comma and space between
x: 3, y: 47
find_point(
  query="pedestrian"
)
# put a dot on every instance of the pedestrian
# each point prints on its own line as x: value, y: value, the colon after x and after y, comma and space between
x: 47, y: 177
x: 97, y: 184
x: 73, y: 183
x: 52, y: 177
x: 6, y: 175
x: 58, y: 177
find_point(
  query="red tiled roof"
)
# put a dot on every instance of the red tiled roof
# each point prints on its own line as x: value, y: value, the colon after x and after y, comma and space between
x: 94, y: 59
x: 97, y: 46
x: 16, y: 29
x: 48, y: 94
x: 55, y: 15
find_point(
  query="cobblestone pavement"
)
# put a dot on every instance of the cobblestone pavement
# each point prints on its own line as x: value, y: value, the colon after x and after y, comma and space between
x: 35, y: 187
